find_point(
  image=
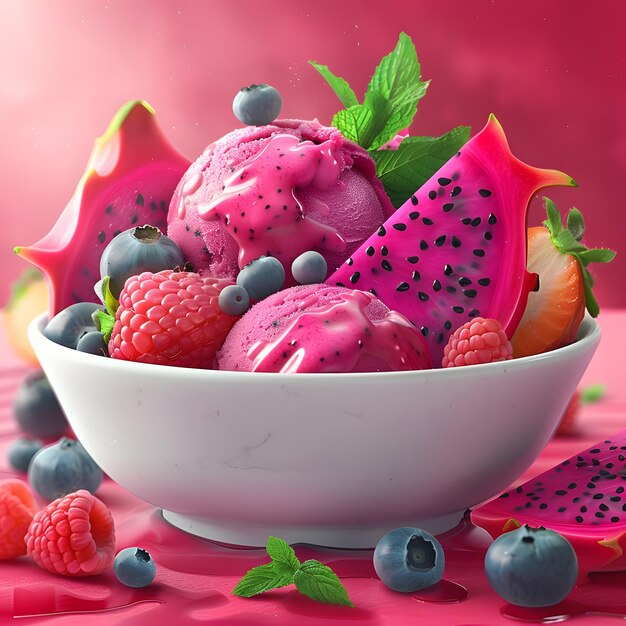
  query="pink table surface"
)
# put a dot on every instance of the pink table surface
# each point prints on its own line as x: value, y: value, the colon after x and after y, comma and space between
x: 194, y: 577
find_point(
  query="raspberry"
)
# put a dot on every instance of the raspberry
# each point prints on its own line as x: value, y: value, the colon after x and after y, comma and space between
x: 17, y: 508
x: 73, y: 536
x: 170, y: 318
x: 478, y: 341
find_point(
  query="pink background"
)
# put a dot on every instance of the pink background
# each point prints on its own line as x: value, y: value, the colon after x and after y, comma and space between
x: 553, y: 73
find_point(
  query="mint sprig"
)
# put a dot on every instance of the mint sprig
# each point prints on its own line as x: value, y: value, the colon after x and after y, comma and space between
x: 568, y: 241
x: 406, y: 169
x: 311, y: 578
x: 390, y: 101
x: 389, y: 106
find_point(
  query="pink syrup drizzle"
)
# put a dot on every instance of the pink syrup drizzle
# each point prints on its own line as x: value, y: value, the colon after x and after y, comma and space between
x: 260, y: 207
x: 340, y: 337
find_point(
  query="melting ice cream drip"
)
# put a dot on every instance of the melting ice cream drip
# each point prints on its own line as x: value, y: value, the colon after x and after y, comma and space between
x: 259, y: 203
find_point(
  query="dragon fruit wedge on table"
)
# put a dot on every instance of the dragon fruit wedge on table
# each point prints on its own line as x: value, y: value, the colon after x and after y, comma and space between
x: 583, y: 498
x: 129, y: 181
x: 456, y: 249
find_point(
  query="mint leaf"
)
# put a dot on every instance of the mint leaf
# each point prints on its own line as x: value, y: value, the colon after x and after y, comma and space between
x: 339, y: 85
x: 592, y: 393
x: 284, y: 559
x: 390, y: 102
x: 354, y: 123
x: 319, y: 582
x: 576, y: 223
x: 393, y: 92
x: 260, y: 579
x: 406, y: 169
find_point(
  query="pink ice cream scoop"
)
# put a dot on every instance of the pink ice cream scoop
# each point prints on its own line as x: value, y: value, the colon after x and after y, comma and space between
x: 276, y: 190
x: 321, y: 328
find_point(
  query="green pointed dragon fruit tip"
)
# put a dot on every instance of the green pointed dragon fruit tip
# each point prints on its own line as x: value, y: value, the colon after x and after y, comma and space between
x: 573, y: 183
x: 123, y: 112
x: 17, y: 249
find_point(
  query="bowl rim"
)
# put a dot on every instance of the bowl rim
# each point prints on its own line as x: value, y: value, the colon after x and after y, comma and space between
x: 588, y: 335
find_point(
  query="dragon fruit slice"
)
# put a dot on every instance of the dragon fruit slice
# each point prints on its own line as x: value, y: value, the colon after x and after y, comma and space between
x: 457, y: 248
x: 583, y: 498
x: 130, y: 178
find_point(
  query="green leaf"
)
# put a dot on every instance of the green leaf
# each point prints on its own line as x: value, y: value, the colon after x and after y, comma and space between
x: 354, y: 123
x: 406, y: 169
x: 592, y: 393
x: 576, y: 223
x: 284, y: 559
x: 590, y: 301
x: 106, y: 322
x: 566, y: 243
x: 596, y: 255
x: 553, y: 223
x: 319, y: 582
x: 393, y: 93
x: 339, y: 85
x: 110, y: 301
x: 260, y: 579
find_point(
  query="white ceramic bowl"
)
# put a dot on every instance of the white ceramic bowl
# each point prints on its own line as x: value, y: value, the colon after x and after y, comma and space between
x: 329, y: 459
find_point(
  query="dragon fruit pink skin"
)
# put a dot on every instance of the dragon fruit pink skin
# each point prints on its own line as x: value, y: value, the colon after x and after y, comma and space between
x: 457, y: 248
x: 129, y: 180
x: 583, y: 498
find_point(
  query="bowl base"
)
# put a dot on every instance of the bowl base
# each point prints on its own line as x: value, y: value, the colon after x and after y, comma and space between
x: 255, y: 536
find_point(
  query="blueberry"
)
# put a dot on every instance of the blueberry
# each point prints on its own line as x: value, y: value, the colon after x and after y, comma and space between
x: 93, y: 343
x: 262, y: 277
x: 234, y: 300
x: 257, y: 105
x: 68, y: 326
x: 137, y: 250
x: 408, y: 559
x: 62, y: 468
x: 134, y: 567
x: 309, y: 268
x: 531, y: 567
x: 36, y: 408
x: 21, y: 451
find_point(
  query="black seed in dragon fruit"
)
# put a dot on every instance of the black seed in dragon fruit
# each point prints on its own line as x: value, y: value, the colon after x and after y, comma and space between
x: 457, y: 248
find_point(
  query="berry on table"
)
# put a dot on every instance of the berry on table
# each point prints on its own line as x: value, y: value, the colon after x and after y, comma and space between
x: 21, y: 451
x: 73, y: 536
x: 309, y: 268
x: 170, y: 318
x: 234, y: 300
x: 262, y: 277
x: 137, y: 250
x: 134, y: 567
x: 36, y: 408
x: 67, y: 327
x: 17, y: 508
x: 531, y: 567
x: 62, y: 468
x: 478, y: 341
x: 408, y: 559
x: 257, y: 105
